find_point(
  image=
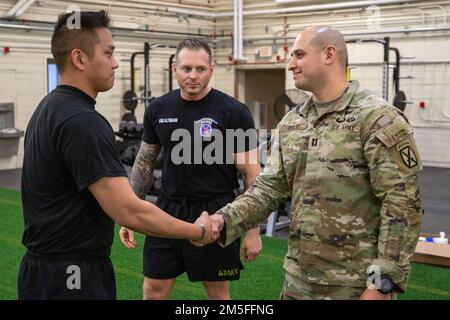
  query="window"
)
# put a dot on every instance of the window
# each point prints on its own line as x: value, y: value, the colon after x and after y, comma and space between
x: 52, y: 75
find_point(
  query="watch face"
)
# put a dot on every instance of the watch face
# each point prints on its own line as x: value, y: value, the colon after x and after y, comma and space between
x: 386, y: 285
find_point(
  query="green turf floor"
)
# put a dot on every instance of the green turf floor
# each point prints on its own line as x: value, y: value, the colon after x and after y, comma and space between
x: 261, y: 279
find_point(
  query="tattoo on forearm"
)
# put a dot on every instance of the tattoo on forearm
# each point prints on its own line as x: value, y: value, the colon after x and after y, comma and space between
x: 142, y: 173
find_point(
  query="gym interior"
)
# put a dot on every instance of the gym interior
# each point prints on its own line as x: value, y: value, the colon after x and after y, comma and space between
x: 397, y: 49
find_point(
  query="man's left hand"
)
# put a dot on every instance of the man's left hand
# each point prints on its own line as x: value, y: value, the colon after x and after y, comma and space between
x: 252, y: 245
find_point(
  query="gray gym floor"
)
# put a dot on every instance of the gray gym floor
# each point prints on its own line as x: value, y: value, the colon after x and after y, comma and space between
x: 434, y: 186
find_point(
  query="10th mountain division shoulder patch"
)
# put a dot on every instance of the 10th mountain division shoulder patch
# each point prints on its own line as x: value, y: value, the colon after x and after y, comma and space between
x: 409, y: 157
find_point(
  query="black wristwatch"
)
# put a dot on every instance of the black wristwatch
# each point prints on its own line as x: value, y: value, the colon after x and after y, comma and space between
x: 387, y: 285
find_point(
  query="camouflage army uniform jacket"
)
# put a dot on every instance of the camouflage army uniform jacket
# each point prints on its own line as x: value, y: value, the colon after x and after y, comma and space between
x: 355, y: 201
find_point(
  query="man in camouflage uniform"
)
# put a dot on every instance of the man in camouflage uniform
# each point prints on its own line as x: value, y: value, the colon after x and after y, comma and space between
x: 348, y: 160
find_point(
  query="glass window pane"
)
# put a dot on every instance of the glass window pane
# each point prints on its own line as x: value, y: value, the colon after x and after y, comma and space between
x: 52, y: 76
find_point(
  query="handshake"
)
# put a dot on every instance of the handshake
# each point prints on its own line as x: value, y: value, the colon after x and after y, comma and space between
x: 212, y: 225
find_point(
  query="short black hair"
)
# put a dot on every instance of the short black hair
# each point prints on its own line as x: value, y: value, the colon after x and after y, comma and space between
x: 65, y: 38
x: 196, y: 44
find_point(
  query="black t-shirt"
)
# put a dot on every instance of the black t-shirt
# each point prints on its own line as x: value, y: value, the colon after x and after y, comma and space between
x: 189, y: 129
x: 68, y: 146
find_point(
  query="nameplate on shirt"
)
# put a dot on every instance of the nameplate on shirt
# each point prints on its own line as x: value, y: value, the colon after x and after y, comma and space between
x: 168, y: 120
x: 345, y: 127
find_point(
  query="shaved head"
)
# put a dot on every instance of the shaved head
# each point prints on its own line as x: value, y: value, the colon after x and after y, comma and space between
x: 318, y: 62
x: 322, y: 36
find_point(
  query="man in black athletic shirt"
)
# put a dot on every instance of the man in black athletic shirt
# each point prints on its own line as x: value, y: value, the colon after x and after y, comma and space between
x: 73, y: 184
x: 188, y: 123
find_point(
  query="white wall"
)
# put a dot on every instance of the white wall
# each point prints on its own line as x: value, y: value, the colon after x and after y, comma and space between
x: 29, y: 51
x: 430, y: 68
x: 431, y: 82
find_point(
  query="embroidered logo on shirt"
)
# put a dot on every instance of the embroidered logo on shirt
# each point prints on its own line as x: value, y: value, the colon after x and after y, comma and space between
x: 206, y: 127
x: 346, y: 122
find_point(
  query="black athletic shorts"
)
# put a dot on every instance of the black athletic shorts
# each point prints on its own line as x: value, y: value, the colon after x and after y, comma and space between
x: 168, y: 258
x: 62, y: 278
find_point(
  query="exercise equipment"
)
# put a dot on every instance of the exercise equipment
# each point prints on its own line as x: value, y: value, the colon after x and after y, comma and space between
x: 400, y: 101
x: 130, y: 100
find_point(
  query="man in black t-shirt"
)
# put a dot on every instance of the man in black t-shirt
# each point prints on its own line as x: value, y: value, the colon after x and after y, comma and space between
x: 199, y: 129
x: 73, y: 184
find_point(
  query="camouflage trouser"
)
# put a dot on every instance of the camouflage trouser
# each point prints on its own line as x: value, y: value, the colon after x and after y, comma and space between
x: 295, y: 289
